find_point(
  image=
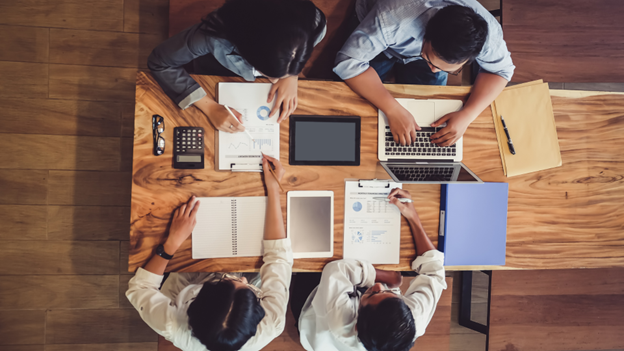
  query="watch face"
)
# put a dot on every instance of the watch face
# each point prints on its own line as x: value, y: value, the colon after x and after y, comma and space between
x: 160, y: 249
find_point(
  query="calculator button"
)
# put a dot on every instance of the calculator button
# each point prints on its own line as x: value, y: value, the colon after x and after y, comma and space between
x: 199, y: 135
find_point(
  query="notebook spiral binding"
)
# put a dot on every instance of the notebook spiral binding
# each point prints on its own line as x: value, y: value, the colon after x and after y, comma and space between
x: 234, y: 229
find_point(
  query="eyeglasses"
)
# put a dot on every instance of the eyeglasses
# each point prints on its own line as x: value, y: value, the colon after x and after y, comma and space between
x: 259, y: 294
x: 454, y: 73
x: 158, y: 127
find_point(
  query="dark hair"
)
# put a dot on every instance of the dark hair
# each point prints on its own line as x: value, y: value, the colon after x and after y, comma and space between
x: 387, y: 326
x: 275, y: 36
x: 456, y: 34
x: 224, y: 318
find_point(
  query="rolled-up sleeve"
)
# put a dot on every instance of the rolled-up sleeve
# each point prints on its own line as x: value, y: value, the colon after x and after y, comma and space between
x: 495, y: 58
x: 167, y: 62
x: 154, y: 307
x: 425, y: 290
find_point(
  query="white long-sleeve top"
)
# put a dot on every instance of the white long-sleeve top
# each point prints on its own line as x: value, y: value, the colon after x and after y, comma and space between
x: 328, y: 318
x: 168, y: 317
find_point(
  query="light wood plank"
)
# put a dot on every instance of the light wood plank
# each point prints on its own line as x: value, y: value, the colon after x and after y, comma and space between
x: 32, y: 292
x: 137, y: 346
x: 65, y: 117
x: 23, y: 79
x: 22, y: 222
x: 23, y: 187
x: 146, y: 16
x: 91, y: 83
x: 89, y: 188
x: 24, y: 44
x: 82, y: 14
x: 88, y: 223
x: 34, y: 151
x: 21, y: 327
x: 60, y: 257
x: 97, y: 326
x: 91, y: 48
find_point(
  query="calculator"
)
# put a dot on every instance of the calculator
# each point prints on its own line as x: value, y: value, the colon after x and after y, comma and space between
x: 188, y: 150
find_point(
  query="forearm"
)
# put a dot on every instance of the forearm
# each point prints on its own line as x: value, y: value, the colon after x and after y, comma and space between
x: 369, y: 86
x: 421, y: 240
x: 486, y: 88
x: 157, y: 264
x: 274, y: 222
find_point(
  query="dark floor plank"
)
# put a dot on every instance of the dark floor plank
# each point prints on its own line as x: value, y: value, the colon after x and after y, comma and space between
x: 24, y: 44
x: 91, y: 48
x: 89, y: 188
x: 23, y: 347
x: 23, y: 79
x: 127, y: 119
x: 60, y: 257
x: 123, y: 287
x: 137, y: 346
x: 92, y: 83
x: 141, y: 16
x: 22, y: 222
x: 61, y: 152
x: 23, y: 187
x: 32, y: 292
x: 97, y: 326
x: 611, y: 87
x: 83, y: 14
x: 21, y: 327
x: 88, y: 223
x: 63, y: 117
x: 124, y: 251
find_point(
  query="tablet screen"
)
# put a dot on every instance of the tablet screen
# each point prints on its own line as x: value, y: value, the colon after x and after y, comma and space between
x: 310, y: 225
x: 325, y: 140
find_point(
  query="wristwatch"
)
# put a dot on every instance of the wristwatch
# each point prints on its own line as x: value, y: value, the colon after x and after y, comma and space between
x: 160, y: 251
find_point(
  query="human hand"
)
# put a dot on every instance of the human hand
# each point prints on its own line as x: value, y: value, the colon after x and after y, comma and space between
x: 402, y: 125
x: 456, y: 125
x: 182, y: 225
x: 286, y: 95
x: 407, y: 208
x: 392, y: 279
x: 219, y: 116
x: 272, y: 183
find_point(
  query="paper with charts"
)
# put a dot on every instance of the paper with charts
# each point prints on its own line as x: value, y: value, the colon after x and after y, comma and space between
x: 372, y: 228
x: 237, y: 151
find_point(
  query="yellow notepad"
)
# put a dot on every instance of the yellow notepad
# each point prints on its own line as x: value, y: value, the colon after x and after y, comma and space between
x: 528, y: 113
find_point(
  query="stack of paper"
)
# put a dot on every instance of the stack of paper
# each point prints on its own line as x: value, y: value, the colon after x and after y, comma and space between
x: 529, y: 117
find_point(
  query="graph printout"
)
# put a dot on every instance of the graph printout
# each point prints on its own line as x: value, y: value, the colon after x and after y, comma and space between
x: 372, y: 228
x: 249, y: 99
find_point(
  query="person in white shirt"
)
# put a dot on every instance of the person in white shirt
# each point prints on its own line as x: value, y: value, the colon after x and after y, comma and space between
x: 338, y: 316
x: 218, y: 311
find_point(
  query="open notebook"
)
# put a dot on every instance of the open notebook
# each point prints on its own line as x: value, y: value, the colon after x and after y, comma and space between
x: 229, y: 227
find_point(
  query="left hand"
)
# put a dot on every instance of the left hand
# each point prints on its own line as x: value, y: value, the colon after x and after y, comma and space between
x: 182, y: 225
x: 456, y: 125
x: 286, y: 95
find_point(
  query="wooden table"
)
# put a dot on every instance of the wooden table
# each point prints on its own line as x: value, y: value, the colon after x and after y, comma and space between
x: 566, y: 217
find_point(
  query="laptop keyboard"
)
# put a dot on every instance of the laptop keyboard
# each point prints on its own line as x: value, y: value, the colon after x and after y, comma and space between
x: 422, y: 173
x: 421, y: 147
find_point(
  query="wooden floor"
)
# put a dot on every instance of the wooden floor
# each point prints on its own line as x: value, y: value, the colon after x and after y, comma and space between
x: 67, y: 72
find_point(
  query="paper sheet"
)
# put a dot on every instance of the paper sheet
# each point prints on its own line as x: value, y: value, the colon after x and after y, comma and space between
x: 250, y: 100
x: 372, y: 228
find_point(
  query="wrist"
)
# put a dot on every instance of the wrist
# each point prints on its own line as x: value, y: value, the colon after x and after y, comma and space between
x: 170, y: 247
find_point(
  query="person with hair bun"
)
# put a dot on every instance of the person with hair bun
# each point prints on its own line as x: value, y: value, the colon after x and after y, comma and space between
x: 246, y: 38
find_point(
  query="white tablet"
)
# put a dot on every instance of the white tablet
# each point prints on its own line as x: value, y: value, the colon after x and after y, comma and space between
x: 310, y: 223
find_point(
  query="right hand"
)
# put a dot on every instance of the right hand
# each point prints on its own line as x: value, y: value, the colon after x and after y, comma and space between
x: 221, y: 119
x: 407, y: 208
x: 402, y: 125
x: 271, y: 182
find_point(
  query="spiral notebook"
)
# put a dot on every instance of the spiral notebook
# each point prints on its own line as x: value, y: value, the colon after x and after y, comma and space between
x: 229, y: 227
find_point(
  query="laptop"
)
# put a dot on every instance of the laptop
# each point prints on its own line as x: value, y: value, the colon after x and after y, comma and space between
x: 423, y: 162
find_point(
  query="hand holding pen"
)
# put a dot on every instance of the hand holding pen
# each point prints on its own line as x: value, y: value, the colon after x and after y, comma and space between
x: 244, y: 129
x: 268, y: 164
x: 407, y: 208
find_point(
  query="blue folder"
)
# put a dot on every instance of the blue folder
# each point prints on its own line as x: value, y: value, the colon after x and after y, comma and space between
x: 473, y: 224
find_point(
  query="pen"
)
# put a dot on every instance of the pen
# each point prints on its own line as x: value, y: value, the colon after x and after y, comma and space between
x: 401, y: 199
x: 509, y: 142
x: 274, y: 175
x: 232, y: 113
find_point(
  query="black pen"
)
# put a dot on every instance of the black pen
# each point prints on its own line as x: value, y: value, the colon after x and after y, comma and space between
x: 509, y: 142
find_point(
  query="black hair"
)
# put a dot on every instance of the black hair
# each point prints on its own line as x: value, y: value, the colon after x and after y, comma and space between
x: 456, y: 34
x: 275, y: 36
x: 224, y: 318
x: 387, y: 326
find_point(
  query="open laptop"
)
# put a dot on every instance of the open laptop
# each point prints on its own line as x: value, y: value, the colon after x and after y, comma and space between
x: 423, y: 162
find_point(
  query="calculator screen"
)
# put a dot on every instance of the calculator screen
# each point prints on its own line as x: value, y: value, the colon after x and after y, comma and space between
x: 183, y: 158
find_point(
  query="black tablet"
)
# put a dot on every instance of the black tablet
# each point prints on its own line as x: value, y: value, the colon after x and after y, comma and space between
x: 324, y: 140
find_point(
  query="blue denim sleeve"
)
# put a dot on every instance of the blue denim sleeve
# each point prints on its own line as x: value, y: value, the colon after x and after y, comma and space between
x: 495, y: 58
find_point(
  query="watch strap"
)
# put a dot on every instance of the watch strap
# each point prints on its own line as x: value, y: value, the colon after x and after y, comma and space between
x: 160, y: 251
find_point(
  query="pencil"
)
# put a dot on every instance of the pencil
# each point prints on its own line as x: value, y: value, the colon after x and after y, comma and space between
x: 232, y: 113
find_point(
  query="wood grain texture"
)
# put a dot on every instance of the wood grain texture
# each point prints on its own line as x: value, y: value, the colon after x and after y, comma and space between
x: 24, y: 44
x: 23, y: 187
x: 60, y: 257
x: 88, y: 223
x: 146, y: 16
x: 89, y: 188
x: 23, y: 222
x: 565, y: 41
x: 75, y: 82
x: 137, y: 346
x: 97, y: 327
x: 123, y: 287
x: 95, y: 48
x: 558, y: 218
x: 23, y: 347
x: 21, y: 327
x: 437, y: 335
x: 559, y: 309
x: 23, y: 79
x: 80, y: 14
x: 35, y: 292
